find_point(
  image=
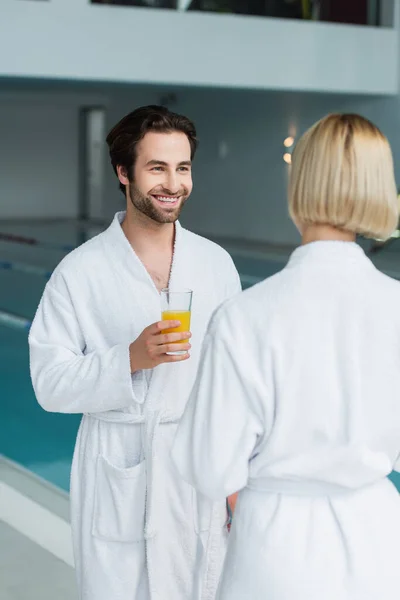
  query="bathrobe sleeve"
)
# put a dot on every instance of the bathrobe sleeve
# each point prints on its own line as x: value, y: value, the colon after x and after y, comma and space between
x: 219, y: 430
x: 64, y: 377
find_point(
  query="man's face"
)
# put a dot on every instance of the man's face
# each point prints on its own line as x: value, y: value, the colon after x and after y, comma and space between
x: 162, y: 176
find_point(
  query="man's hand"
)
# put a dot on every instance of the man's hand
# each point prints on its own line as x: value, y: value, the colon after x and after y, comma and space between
x: 151, y: 347
x: 232, y: 501
x: 231, y: 505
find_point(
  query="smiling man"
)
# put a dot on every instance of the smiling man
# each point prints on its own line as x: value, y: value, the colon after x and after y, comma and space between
x: 97, y: 347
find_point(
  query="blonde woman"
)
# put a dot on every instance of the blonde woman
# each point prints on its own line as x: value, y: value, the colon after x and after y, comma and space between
x: 307, y: 366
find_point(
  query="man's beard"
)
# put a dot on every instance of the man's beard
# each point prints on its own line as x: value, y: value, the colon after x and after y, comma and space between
x: 144, y: 204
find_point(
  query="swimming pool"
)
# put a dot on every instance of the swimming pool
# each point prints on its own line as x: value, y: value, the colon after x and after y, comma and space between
x: 40, y: 441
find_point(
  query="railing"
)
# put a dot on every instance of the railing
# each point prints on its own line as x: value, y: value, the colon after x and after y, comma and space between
x: 358, y: 12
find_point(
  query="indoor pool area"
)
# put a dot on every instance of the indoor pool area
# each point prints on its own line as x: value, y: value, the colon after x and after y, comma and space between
x: 43, y: 442
x: 37, y: 446
x: 261, y: 125
x: 40, y: 441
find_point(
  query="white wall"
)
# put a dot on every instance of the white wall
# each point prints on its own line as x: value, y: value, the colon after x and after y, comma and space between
x: 74, y: 39
x: 39, y: 147
x: 39, y: 154
x: 38, y: 161
x: 244, y: 194
x: 239, y: 174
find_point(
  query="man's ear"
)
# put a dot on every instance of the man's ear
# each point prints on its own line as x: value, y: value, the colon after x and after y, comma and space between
x: 122, y: 175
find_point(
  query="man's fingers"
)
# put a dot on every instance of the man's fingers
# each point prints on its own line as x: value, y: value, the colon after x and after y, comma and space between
x: 156, y: 328
x: 170, y: 338
x: 167, y: 358
x: 173, y: 348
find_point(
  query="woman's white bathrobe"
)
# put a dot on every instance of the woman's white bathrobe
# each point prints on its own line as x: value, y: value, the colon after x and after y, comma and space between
x: 134, y: 520
x: 307, y: 365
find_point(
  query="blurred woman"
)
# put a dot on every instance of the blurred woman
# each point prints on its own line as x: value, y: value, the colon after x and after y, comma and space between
x: 297, y: 402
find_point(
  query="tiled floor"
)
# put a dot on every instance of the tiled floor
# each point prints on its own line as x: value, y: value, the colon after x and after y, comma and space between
x: 29, y: 566
x: 28, y: 572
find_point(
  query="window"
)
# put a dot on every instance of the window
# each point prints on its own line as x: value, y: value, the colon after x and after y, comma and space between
x: 359, y: 12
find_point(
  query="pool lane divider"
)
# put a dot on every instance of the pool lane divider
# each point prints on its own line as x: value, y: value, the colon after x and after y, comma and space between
x: 10, y: 319
x: 8, y: 265
x: 21, y: 239
x: 15, y: 321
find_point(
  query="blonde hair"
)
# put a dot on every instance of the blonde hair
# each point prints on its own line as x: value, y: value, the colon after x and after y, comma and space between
x: 342, y: 175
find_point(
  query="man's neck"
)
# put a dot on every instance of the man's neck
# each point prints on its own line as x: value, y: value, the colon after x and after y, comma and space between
x: 144, y: 234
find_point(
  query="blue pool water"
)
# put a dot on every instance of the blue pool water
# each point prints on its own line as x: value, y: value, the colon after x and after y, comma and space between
x: 40, y: 441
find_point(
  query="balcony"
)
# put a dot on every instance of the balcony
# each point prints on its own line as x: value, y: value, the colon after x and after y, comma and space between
x: 295, y: 45
x: 358, y: 12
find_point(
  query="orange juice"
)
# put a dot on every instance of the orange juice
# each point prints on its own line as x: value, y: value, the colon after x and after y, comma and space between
x: 177, y: 315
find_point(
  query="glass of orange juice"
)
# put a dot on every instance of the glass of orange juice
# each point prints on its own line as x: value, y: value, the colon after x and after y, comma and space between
x: 177, y: 306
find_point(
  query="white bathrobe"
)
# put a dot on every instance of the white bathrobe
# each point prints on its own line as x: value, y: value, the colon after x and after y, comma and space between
x: 135, y: 522
x: 307, y: 367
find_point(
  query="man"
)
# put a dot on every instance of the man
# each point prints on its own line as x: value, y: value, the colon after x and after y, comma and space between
x: 97, y: 347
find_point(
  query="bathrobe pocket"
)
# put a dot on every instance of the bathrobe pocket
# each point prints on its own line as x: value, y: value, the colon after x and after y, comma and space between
x: 120, y: 502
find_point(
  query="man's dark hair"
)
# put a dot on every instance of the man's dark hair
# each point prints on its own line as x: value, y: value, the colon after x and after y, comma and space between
x: 123, y: 139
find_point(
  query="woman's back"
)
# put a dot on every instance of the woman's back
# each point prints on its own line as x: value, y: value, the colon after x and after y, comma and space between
x: 297, y: 401
x: 317, y: 519
x: 330, y: 328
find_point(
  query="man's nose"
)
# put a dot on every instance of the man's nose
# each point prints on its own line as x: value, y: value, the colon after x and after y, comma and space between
x: 172, y: 184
